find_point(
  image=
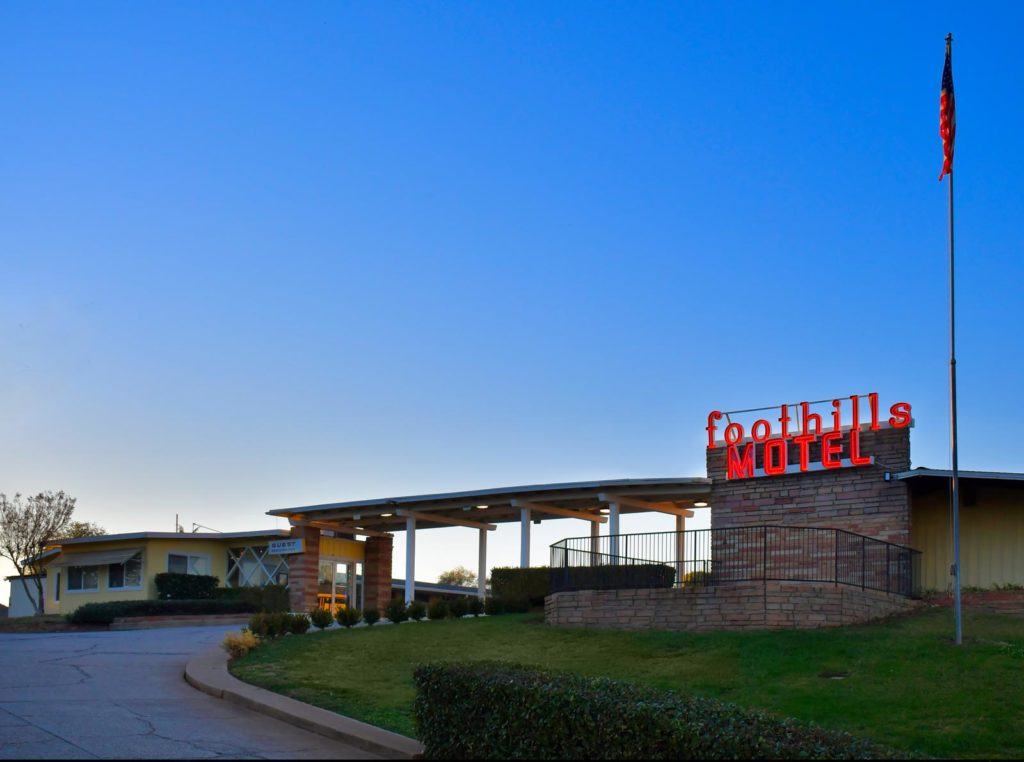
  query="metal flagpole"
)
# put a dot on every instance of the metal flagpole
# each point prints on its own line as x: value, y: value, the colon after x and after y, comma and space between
x: 955, y: 482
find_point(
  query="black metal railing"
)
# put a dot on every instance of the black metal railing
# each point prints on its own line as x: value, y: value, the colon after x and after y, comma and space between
x: 740, y: 554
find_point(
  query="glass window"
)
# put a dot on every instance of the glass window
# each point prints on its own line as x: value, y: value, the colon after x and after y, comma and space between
x: 249, y: 566
x: 185, y: 564
x: 128, y: 574
x: 83, y: 578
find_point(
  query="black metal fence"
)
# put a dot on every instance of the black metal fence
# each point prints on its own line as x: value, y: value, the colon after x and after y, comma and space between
x: 740, y: 554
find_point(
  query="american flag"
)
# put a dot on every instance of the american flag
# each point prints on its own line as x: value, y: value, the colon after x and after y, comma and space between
x: 947, y: 113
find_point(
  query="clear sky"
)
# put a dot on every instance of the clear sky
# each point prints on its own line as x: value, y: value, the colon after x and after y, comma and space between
x: 257, y: 255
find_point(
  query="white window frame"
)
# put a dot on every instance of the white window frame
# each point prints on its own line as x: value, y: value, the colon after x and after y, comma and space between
x: 190, y: 556
x: 142, y: 574
x: 67, y: 584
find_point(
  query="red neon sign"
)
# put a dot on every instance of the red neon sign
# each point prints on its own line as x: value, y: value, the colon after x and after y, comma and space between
x: 740, y: 455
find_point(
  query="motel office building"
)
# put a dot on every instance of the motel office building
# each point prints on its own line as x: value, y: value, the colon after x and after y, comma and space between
x: 826, y: 545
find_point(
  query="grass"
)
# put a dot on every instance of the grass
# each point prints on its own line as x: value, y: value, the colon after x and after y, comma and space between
x: 906, y: 684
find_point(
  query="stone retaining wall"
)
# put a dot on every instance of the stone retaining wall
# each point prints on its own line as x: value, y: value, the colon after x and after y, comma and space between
x: 746, y: 605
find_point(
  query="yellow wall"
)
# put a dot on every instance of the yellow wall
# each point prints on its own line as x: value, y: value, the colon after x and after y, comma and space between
x: 337, y: 547
x: 991, y: 537
x: 154, y: 561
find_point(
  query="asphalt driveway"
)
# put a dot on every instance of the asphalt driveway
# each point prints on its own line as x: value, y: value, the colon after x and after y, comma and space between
x: 122, y: 695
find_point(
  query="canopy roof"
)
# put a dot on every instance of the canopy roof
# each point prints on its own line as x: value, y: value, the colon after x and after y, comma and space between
x: 933, y: 478
x: 97, y: 557
x: 487, y: 507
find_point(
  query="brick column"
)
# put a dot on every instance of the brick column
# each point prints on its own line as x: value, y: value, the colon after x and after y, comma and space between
x: 377, y: 572
x: 304, y: 569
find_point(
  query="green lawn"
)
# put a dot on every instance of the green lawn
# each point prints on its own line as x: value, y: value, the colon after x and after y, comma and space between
x: 907, y: 685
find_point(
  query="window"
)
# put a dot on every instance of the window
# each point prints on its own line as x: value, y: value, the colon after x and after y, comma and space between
x: 83, y: 578
x: 56, y: 587
x: 255, y: 567
x: 126, y: 575
x: 179, y: 563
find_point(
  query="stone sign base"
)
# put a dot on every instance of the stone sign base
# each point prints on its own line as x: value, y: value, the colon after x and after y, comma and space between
x: 740, y: 606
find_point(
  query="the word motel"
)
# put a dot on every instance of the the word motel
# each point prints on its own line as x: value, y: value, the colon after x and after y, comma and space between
x: 802, y: 431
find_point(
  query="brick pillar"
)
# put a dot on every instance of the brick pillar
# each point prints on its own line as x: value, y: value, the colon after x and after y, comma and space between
x: 304, y: 569
x: 377, y: 572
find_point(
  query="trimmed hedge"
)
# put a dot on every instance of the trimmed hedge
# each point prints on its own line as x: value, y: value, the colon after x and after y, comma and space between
x: 614, y: 577
x: 518, y: 586
x: 487, y: 710
x: 270, y: 599
x: 185, y: 587
x: 105, y: 613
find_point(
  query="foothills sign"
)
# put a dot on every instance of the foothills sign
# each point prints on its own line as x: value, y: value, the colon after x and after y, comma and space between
x: 808, y: 428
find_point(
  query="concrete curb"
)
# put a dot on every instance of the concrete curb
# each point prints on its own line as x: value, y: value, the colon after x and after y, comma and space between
x: 208, y: 671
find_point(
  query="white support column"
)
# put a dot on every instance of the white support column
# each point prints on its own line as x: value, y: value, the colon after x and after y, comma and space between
x: 680, y: 549
x: 481, y: 574
x: 613, y: 530
x: 595, y: 543
x: 524, y: 538
x: 410, y: 559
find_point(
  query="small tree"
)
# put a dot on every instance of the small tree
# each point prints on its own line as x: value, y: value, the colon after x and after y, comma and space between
x: 76, y: 529
x: 25, y: 528
x: 460, y: 575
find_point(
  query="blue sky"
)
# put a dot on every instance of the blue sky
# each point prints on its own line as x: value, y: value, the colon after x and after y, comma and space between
x: 255, y: 255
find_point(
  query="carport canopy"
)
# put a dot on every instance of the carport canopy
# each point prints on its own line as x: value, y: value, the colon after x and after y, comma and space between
x: 598, y: 502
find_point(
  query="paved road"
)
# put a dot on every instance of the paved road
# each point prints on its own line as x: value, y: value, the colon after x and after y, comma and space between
x: 122, y: 695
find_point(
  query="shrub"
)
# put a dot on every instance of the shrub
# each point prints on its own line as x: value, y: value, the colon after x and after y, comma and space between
x: 501, y: 711
x: 617, y: 577
x: 270, y: 625
x: 515, y: 605
x: 348, y: 617
x: 397, y: 611
x: 298, y: 624
x: 532, y: 584
x: 371, y: 617
x: 417, y: 611
x: 476, y: 606
x: 321, y: 618
x: 270, y: 599
x: 105, y: 613
x: 185, y: 587
x: 238, y: 644
x: 459, y: 606
x: 438, y: 609
x: 696, y: 578
x: 494, y: 606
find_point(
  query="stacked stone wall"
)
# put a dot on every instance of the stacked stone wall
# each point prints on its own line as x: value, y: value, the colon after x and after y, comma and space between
x: 742, y: 606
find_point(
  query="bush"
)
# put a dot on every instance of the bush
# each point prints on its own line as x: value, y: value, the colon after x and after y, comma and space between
x: 298, y: 624
x: 438, y: 609
x: 321, y: 618
x: 476, y: 606
x: 271, y: 625
x: 105, y: 613
x: 270, y: 599
x: 696, y: 578
x: 417, y: 611
x: 515, y: 605
x: 238, y: 644
x: 494, y: 606
x: 348, y: 617
x: 501, y: 711
x: 532, y: 584
x: 397, y: 611
x: 617, y: 577
x: 459, y: 606
x: 185, y: 587
x: 371, y: 617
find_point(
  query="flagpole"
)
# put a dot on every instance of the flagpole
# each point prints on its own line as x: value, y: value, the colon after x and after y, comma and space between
x: 955, y: 481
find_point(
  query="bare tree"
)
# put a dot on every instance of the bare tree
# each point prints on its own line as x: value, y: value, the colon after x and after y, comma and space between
x: 25, y: 528
x: 460, y: 575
